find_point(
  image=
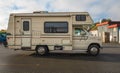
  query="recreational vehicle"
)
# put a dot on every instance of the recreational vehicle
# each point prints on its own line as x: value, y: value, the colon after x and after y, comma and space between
x: 56, y: 32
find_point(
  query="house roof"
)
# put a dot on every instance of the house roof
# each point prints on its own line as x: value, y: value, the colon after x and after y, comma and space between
x: 114, y: 26
x: 104, y: 23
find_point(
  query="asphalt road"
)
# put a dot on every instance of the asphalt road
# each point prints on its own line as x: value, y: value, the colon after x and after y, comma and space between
x: 27, y: 62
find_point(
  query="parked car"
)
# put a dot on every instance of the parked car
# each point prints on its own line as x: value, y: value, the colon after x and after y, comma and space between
x: 3, y: 39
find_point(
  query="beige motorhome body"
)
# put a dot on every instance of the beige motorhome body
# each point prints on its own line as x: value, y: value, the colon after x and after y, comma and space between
x: 54, y: 31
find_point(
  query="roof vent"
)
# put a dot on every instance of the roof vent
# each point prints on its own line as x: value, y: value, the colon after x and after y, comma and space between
x: 40, y: 12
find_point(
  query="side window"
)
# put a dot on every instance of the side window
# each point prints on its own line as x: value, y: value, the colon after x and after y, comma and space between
x: 56, y: 27
x: 25, y: 25
x: 79, y: 31
x: 80, y: 17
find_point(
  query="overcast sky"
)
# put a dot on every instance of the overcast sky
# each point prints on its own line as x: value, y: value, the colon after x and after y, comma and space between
x: 98, y: 9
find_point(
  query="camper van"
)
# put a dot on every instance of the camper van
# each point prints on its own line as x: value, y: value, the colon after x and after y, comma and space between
x: 52, y: 32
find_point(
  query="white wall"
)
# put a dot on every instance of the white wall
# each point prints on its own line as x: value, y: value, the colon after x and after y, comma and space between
x: 94, y: 32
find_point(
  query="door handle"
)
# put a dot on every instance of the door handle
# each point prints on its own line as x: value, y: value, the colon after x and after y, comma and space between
x: 21, y: 32
x: 83, y: 37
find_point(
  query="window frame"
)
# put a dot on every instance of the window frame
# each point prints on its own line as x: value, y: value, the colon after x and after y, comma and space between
x: 80, y: 18
x: 53, y: 27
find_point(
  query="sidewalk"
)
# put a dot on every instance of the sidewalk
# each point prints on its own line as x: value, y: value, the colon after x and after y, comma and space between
x: 111, y: 45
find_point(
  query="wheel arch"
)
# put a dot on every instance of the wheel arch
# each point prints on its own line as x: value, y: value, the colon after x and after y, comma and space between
x: 41, y: 46
x: 94, y: 44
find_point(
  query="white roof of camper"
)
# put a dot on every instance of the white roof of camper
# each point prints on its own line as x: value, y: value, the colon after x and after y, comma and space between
x: 50, y: 14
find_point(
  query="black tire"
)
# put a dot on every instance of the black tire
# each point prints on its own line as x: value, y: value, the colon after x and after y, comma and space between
x: 5, y: 44
x: 41, y: 50
x: 93, y: 50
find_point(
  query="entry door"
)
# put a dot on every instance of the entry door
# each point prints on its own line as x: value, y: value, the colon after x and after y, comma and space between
x: 107, y: 37
x: 26, y: 33
x: 79, y: 39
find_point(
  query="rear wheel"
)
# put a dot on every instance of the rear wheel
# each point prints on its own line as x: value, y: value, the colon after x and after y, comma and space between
x: 41, y: 50
x: 93, y: 50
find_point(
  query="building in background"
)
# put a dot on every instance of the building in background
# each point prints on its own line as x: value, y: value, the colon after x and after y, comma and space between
x: 94, y: 30
x: 109, y: 31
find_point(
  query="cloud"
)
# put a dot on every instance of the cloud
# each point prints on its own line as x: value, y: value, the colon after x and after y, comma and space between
x: 18, y: 6
x: 98, y: 9
x: 70, y: 5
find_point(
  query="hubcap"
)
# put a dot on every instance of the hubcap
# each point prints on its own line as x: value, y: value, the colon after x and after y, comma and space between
x: 94, y: 50
x: 41, y: 50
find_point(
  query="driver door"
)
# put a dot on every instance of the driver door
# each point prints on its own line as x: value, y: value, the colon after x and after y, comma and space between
x: 79, y: 39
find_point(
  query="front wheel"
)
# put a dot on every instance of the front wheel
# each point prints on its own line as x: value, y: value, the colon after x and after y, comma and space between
x: 93, y: 50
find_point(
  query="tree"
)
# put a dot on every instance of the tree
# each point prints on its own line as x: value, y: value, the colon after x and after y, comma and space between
x: 2, y: 31
x: 106, y: 20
